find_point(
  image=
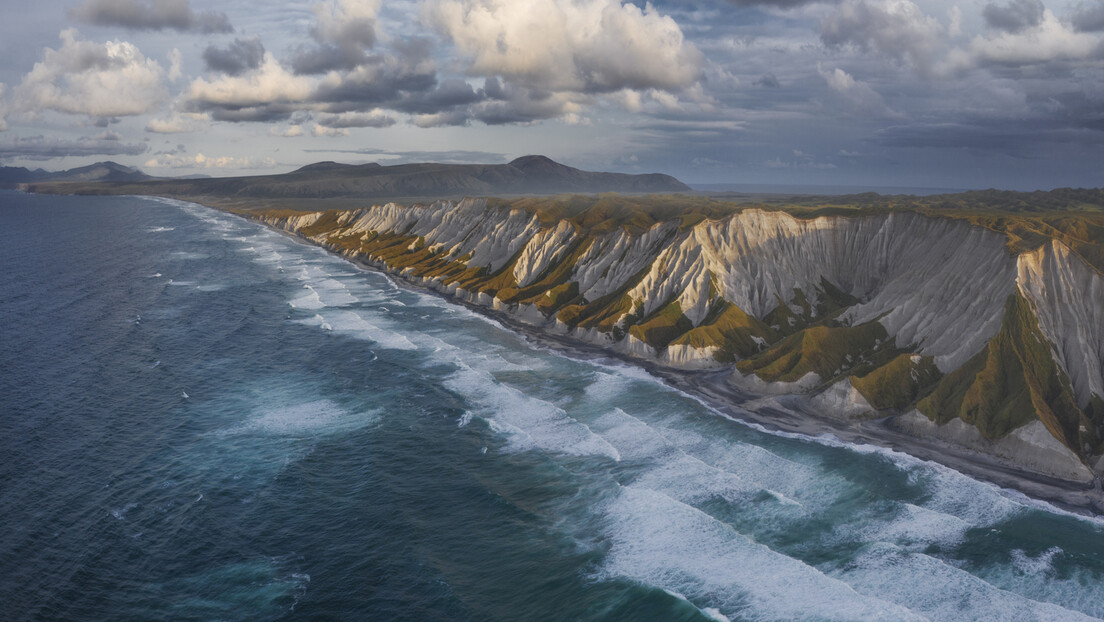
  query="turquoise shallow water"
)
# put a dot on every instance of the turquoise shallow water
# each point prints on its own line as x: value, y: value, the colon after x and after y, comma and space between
x: 202, y: 419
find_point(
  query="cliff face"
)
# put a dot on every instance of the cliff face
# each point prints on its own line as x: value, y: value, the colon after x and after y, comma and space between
x: 919, y: 318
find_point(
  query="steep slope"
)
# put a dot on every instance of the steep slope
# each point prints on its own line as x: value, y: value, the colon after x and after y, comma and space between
x: 885, y: 314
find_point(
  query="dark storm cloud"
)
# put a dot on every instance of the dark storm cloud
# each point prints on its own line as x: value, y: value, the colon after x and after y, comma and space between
x: 236, y: 58
x: 349, y: 120
x: 326, y: 57
x: 783, y: 4
x: 354, y: 92
x: 1089, y: 16
x: 449, y: 94
x: 47, y: 148
x: 1015, y: 16
x: 150, y: 15
x: 342, y: 38
x: 901, y: 32
x: 1073, y: 109
x: 768, y: 80
x: 1014, y: 138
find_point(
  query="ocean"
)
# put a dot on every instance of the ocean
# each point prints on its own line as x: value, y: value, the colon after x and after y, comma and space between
x: 203, y: 419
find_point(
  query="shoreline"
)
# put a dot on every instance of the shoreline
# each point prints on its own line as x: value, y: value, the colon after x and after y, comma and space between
x: 767, y: 412
x: 709, y: 388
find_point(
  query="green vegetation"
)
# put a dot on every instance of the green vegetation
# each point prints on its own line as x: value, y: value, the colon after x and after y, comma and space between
x: 735, y: 333
x: 827, y: 351
x: 1010, y: 383
x: 662, y: 326
x: 898, y: 383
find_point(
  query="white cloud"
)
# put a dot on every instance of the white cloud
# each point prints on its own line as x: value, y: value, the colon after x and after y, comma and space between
x: 320, y: 130
x: 200, y: 161
x: 268, y: 84
x: 343, y: 30
x: 898, y: 29
x: 175, y: 60
x: 372, y: 118
x: 1050, y: 40
x: 178, y: 123
x: 351, y: 21
x: 289, y: 132
x: 569, y: 45
x: 858, y: 94
x: 109, y: 79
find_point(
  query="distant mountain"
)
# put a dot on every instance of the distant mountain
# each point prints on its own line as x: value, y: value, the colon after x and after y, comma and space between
x: 523, y: 176
x: 100, y: 171
x: 10, y: 175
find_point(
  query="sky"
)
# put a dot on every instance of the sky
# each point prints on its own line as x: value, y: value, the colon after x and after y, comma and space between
x: 870, y: 93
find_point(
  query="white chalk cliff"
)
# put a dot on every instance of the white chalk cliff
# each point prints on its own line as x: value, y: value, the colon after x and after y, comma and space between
x: 900, y: 282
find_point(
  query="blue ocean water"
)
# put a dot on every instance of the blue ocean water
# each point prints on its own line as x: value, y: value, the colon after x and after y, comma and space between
x: 202, y: 419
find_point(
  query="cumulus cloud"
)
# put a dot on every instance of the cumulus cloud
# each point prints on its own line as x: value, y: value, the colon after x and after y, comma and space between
x: 177, y: 124
x: 176, y: 60
x: 270, y: 92
x: 319, y: 130
x: 1015, y: 16
x: 898, y: 29
x: 1048, y: 42
x: 204, y: 162
x: 860, y: 95
x: 239, y: 56
x: 576, y: 45
x: 293, y: 131
x: 96, y: 79
x: 456, y: 156
x: 49, y: 147
x: 150, y: 15
x: 343, y: 32
x: 375, y: 118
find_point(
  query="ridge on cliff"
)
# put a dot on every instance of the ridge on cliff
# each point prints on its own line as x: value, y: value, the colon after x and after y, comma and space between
x: 524, y: 176
x: 953, y: 326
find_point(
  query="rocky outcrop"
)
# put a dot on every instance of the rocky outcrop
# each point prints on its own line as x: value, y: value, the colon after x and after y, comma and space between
x: 873, y: 315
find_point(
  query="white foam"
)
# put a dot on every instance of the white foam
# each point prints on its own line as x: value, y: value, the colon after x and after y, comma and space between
x: 939, y: 591
x: 528, y: 422
x: 914, y: 527
x: 159, y: 229
x: 659, y: 541
x: 309, y: 301
x: 305, y: 418
x: 354, y: 325
x: 1041, y: 564
x: 676, y: 473
x: 1036, y: 577
x: 317, y: 320
x: 120, y: 513
x: 188, y: 256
